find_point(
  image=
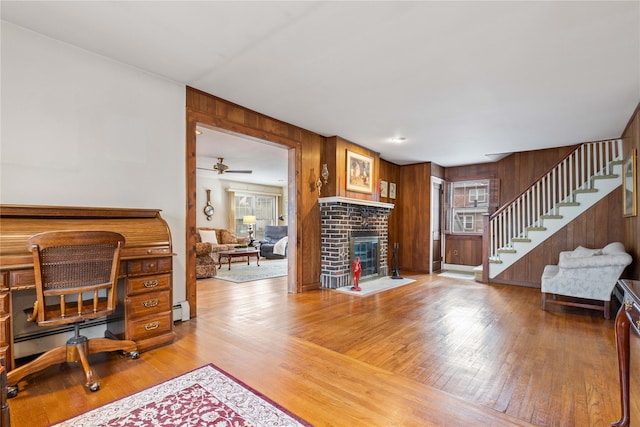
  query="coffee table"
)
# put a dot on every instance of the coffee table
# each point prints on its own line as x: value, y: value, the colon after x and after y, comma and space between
x: 238, y: 254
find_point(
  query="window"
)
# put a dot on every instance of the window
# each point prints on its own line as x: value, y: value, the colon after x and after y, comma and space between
x: 466, y: 203
x: 467, y: 220
x: 262, y: 206
x: 478, y: 194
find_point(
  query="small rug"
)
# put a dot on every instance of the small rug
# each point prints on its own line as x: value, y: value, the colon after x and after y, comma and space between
x: 457, y: 275
x: 206, y: 396
x: 241, y: 272
x: 370, y: 287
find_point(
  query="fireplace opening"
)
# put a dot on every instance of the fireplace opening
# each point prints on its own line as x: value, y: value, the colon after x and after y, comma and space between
x: 365, y: 244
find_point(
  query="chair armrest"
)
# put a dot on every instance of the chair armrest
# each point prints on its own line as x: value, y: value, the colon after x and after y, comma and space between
x: 596, y: 261
x: 203, y: 248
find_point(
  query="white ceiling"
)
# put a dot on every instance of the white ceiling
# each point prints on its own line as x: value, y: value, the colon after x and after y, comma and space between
x: 267, y: 161
x: 458, y: 80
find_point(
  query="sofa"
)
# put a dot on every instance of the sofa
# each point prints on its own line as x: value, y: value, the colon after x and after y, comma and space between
x: 211, y: 241
x: 275, y: 237
x: 585, y: 274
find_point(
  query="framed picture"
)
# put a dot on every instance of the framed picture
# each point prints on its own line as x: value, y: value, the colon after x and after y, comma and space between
x: 359, y: 169
x: 629, y: 188
x: 392, y: 190
x: 384, y: 189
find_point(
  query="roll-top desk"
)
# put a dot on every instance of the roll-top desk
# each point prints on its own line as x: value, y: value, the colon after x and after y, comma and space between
x: 145, y: 306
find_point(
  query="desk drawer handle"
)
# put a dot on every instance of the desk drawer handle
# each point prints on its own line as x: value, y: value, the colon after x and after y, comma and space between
x: 151, y: 326
x: 150, y: 283
x: 151, y: 303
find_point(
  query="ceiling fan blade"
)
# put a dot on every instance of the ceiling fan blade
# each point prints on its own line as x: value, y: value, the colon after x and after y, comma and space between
x: 238, y: 171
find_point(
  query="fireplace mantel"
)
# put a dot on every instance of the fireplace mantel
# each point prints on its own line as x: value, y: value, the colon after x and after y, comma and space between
x: 339, y: 199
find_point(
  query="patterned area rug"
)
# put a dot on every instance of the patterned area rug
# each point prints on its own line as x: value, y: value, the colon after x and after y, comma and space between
x: 241, y: 272
x: 205, y: 396
x: 374, y: 286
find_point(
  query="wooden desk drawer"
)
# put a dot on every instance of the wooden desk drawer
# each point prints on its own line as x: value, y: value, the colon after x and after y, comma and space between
x: 147, y: 304
x: 149, y: 266
x: 137, y: 285
x: 139, y: 329
x: 5, y: 302
x: 22, y: 278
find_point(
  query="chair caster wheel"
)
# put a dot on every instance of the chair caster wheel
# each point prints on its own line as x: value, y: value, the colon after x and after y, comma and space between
x: 12, y: 391
x: 94, y: 386
x: 134, y: 355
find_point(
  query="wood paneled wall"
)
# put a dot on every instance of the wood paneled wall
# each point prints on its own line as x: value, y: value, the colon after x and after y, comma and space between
x: 413, y: 206
x: 519, y: 170
x: 335, y: 156
x: 305, y: 152
x: 631, y: 239
x: 391, y: 173
x: 463, y: 250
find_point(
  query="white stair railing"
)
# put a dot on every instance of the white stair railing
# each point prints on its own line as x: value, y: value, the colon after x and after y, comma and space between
x: 574, y: 174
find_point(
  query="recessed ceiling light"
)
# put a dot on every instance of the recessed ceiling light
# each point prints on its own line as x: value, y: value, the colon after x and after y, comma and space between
x: 398, y: 139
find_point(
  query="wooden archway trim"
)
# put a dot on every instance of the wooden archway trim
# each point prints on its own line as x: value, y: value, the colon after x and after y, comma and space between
x: 305, y: 150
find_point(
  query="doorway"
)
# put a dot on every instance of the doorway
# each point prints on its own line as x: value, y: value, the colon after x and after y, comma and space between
x: 436, y: 243
x: 294, y: 157
x: 239, y: 176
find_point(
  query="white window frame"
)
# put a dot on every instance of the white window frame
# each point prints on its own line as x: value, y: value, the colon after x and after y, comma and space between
x: 480, y: 194
x: 468, y: 222
x: 460, y: 205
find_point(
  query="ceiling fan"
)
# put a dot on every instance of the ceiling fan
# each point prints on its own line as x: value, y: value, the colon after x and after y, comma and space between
x: 222, y: 168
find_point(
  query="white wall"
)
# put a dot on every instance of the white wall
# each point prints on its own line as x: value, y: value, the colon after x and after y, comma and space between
x: 220, y: 198
x: 78, y: 129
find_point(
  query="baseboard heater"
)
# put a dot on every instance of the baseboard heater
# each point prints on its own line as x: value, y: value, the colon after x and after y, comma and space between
x: 181, y: 311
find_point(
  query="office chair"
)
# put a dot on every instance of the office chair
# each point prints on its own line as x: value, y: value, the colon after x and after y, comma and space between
x: 76, y: 275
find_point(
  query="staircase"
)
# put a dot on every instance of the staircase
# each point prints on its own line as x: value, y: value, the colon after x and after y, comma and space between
x: 576, y: 183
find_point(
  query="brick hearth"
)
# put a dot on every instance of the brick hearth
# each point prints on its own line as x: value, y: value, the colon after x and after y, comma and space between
x: 340, y: 217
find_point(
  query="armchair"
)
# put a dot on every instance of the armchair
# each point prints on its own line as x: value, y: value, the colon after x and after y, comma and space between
x: 272, y: 235
x: 587, y: 274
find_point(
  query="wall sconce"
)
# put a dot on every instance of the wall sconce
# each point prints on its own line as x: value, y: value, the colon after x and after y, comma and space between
x: 325, y: 177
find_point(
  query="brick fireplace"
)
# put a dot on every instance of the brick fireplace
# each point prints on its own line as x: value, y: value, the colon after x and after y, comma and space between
x: 344, y: 220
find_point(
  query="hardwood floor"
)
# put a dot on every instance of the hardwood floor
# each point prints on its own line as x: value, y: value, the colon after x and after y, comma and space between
x: 435, y: 352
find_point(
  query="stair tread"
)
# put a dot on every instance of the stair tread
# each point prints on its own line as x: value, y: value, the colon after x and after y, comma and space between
x: 585, y: 190
x: 608, y: 176
x: 551, y: 217
x: 568, y: 204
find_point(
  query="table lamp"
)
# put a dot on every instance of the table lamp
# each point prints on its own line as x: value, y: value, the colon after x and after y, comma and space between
x: 249, y: 220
